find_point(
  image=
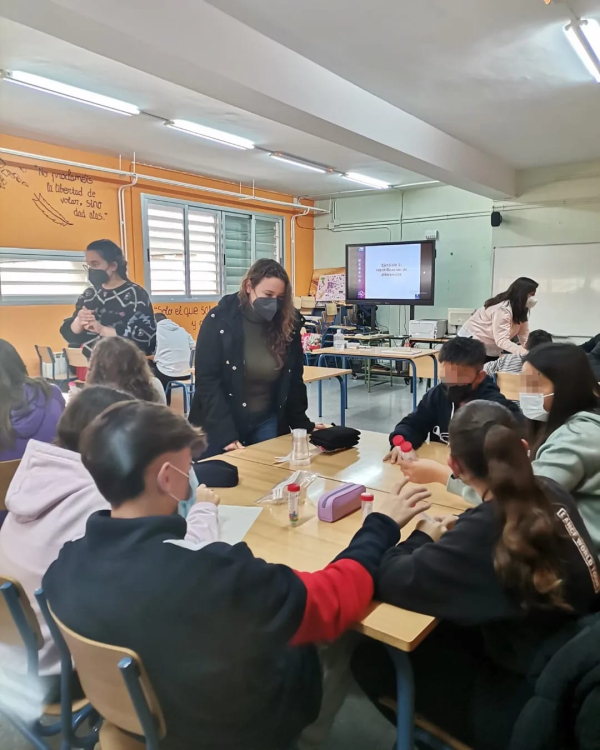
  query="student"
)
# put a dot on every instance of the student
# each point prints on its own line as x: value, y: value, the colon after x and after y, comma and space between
x: 502, y: 318
x: 119, y: 363
x: 224, y: 636
x: 594, y: 359
x: 249, y: 364
x: 172, y: 357
x: 49, y: 500
x: 29, y: 407
x: 514, y: 362
x: 112, y: 306
x: 461, y: 363
x: 504, y: 577
x: 590, y: 345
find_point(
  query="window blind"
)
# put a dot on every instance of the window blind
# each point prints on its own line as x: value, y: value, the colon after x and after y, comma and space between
x: 41, y: 276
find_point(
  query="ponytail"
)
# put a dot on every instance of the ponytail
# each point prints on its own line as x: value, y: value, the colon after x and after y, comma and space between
x: 526, y: 555
x: 485, y: 438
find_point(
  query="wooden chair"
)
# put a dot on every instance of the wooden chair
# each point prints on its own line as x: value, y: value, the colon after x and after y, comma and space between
x: 307, y: 305
x: 331, y: 311
x: 116, y: 683
x: 75, y: 359
x: 298, y: 303
x: 7, y: 472
x: 509, y: 384
x: 19, y: 629
x: 47, y: 357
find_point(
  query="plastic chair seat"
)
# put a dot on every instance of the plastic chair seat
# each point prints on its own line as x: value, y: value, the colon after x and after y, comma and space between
x: 113, y: 738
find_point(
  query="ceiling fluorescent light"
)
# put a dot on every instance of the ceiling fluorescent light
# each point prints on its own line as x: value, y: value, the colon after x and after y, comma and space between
x: 369, y: 181
x: 584, y: 37
x: 69, y: 92
x: 297, y: 162
x: 210, y: 134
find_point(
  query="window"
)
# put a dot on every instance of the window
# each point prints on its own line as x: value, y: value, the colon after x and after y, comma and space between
x: 195, y: 252
x: 41, y: 276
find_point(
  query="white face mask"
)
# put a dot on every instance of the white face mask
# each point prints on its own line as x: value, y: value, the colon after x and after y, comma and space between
x: 532, y: 406
x: 531, y: 302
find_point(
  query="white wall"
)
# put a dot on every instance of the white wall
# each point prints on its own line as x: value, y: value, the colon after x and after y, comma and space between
x: 557, y: 205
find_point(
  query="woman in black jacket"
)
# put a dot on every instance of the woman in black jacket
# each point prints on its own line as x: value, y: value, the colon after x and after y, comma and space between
x: 505, y: 577
x: 249, y: 364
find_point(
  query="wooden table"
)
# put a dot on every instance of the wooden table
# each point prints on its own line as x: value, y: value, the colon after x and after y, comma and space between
x: 361, y: 465
x: 382, y: 352
x: 318, y: 375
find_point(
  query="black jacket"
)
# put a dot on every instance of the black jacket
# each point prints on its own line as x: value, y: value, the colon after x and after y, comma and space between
x: 219, y: 406
x: 594, y: 358
x: 590, y: 345
x: 224, y: 636
x: 435, y: 411
x: 564, y: 712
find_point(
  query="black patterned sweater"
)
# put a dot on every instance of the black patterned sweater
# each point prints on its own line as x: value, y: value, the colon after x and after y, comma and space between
x: 127, y: 309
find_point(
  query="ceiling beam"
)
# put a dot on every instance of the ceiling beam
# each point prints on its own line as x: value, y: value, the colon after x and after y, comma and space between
x: 203, y: 49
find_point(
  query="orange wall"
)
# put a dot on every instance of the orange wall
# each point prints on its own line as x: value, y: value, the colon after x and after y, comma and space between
x: 48, y: 206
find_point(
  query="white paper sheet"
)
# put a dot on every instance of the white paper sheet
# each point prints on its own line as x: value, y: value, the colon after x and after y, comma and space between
x: 235, y: 522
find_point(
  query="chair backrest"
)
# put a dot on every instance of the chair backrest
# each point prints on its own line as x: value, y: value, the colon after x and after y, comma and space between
x: 424, y: 366
x: 298, y: 303
x: 100, y: 668
x: 7, y: 472
x: 308, y: 304
x: 45, y: 354
x: 19, y: 627
x: 331, y: 311
x: 509, y: 384
x: 75, y: 357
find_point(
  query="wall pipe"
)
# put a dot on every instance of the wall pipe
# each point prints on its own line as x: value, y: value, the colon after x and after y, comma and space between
x: 293, y: 246
x: 122, y: 223
x: 161, y: 180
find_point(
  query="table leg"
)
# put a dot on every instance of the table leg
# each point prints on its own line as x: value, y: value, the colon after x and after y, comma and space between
x: 392, y: 362
x: 435, y: 371
x: 413, y: 368
x: 320, y: 398
x: 342, y: 379
x: 405, y: 697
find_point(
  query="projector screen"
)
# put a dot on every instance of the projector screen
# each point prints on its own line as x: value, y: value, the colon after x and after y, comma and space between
x: 390, y: 273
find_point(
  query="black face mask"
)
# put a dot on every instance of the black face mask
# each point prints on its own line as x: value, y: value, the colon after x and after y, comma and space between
x: 456, y: 394
x: 267, y: 307
x: 97, y: 277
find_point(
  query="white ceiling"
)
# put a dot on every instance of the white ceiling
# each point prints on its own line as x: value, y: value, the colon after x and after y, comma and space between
x: 32, y: 114
x: 461, y: 91
x: 498, y: 74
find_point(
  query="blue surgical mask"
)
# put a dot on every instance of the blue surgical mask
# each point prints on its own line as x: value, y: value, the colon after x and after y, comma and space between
x: 532, y: 406
x: 184, y: 506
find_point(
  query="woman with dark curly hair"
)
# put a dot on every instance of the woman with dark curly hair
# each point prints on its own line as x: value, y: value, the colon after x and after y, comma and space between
x: 119, y: 363
x: 249, y: 364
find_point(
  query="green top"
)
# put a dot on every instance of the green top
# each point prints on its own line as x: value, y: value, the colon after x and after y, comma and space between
x: 260, y: 366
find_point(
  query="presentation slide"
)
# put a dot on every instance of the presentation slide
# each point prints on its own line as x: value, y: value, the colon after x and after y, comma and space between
x: 390, y: 274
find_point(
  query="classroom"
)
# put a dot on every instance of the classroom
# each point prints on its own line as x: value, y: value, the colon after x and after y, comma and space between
x: 299, y: 375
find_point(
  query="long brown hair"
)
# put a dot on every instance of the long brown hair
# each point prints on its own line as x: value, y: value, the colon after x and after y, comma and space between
x: 117, y: 362
x: 485, y: 439
x: 516, y: 294
x: 13, y: 395
x: 574, y: 385
x: 280, y: 330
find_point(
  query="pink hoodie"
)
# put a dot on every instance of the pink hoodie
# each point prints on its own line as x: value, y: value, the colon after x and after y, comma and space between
x: 49, y: 500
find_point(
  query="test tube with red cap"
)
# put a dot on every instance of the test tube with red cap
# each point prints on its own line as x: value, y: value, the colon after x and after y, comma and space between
x: 405, y: 447
x: 366, y: 504
x: 293, y: 491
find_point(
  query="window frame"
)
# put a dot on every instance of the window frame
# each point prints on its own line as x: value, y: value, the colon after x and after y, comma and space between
x: 221, y: 212
x: 19, y: 253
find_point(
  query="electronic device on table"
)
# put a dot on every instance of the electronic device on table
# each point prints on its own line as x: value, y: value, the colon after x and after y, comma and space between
x: 391, y: 273
x: 427, y: 329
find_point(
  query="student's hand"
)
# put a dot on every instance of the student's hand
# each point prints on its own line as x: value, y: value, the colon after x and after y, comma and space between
x: 425, y: 471
x: 93, y: 326
x: 404, y: 503
x: 437, y: 526
x: 204, y: 495
x: 235, y: 446
x: 320, y: 426
x: 85, y: 316
x: 393, y: 456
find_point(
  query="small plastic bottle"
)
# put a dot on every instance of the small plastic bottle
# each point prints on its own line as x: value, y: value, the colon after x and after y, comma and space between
x: 293, y: 503
x: 366, y: 504
x: 339, y: 342
x: 406, y: 451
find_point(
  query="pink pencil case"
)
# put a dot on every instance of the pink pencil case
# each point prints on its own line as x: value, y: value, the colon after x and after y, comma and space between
x: 340, y: 502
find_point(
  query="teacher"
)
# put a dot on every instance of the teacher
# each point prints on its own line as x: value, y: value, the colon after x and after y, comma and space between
x: 502, y: 318
x: 249, y: 364
x: 112, y: 306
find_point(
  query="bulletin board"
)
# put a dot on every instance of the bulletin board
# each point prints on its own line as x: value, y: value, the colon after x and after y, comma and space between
x: 328, y: 284
x: 48, y: 206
